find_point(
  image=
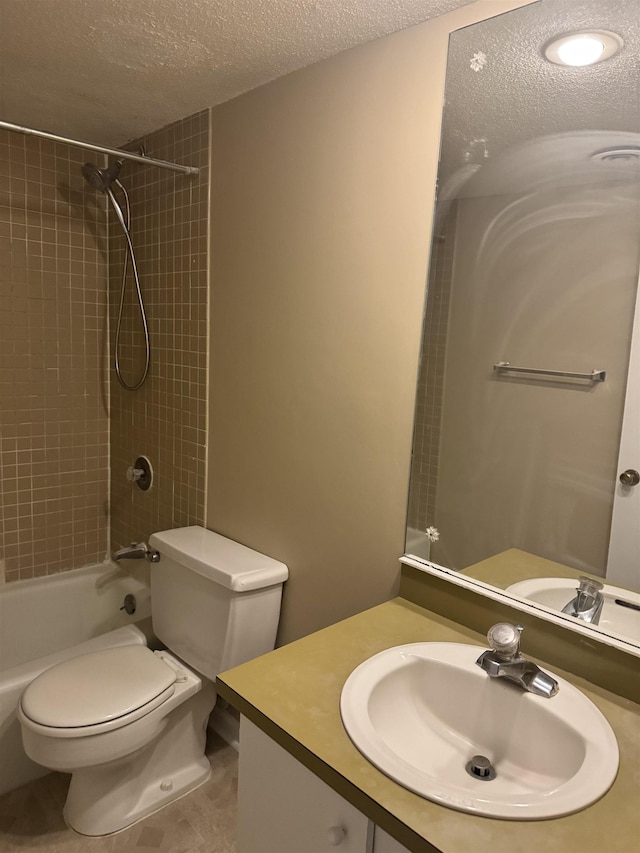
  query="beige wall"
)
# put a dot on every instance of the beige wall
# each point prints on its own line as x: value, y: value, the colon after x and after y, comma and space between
x: 322, y: 193
x: 54, y: 451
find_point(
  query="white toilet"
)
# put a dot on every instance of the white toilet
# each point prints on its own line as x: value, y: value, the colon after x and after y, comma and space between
x: 128, y: 723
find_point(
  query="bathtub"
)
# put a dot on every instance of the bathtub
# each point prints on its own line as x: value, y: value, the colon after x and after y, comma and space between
x: 47, y: 620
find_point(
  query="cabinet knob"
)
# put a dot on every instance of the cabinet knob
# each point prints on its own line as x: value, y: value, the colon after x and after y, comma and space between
x: 336, y: 835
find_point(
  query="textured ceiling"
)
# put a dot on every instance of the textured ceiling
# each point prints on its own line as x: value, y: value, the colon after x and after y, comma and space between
x: 108, y: 71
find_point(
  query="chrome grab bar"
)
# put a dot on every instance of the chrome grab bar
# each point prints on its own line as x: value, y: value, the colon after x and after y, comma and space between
x: 594, y: 376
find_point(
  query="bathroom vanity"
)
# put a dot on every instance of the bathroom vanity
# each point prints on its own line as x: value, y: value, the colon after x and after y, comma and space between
x: 284, y: 807
x: 304, y: 786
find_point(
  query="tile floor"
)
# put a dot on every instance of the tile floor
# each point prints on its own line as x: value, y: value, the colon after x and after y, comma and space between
x: 204, y: 821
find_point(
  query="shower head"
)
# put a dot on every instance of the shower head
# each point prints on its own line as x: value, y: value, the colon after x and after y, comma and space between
x: 101, y: 179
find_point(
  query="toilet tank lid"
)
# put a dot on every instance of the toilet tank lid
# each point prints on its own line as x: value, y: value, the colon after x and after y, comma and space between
x: 224, y: 561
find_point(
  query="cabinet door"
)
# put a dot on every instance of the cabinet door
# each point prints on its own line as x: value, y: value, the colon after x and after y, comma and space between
x: 285, y: 808
x: 384, y: 843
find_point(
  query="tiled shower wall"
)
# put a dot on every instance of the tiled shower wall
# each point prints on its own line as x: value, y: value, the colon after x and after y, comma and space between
x: 59, y: 402
x: 53, y: 342
x: 165, y: 419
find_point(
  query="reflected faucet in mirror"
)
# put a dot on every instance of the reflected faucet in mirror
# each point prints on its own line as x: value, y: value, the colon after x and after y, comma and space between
x: 588, y: 602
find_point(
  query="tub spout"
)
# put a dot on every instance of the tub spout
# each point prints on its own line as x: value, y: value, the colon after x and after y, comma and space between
x: 136, y: 551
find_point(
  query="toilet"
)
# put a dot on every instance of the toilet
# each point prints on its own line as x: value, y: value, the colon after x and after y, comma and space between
x: 130, y: 723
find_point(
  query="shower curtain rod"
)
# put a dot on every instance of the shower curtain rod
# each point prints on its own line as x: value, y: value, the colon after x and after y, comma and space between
x: 89, y: 146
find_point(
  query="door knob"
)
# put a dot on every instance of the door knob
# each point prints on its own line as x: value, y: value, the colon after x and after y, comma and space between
x: 630, y: 477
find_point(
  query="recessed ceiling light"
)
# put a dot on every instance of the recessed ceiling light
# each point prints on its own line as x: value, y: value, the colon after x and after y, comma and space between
x: 582, y: 48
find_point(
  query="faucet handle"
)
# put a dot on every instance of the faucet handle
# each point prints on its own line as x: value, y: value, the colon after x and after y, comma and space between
x: 589, y: 586
x: 134, y: 474
x: 504, y: 639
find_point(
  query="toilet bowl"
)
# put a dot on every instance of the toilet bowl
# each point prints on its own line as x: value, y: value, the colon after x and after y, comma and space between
x: 129, y: 723
x: 78, y: 731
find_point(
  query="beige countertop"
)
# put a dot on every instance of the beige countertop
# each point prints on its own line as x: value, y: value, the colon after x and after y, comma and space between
x: 293, y: 694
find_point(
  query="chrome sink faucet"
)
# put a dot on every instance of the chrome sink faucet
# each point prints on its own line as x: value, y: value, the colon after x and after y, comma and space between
x: 587, y: 605
x: 503, y: 660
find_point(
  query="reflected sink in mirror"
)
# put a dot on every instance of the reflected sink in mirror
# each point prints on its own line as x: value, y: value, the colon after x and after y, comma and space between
x: 620, y: 614
x: 421, y: 712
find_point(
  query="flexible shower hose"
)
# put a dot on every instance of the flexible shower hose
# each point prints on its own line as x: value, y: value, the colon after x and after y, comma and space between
x: 125, y: 220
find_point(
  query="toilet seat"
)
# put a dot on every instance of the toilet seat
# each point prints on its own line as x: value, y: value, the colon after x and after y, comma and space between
x: 99, y: 691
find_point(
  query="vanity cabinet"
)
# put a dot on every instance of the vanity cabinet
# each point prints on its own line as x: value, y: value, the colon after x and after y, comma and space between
x: 385, y: 843
x: 284, y: 808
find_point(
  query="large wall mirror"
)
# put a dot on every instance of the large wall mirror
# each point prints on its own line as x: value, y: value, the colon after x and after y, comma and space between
x: 527, y: 435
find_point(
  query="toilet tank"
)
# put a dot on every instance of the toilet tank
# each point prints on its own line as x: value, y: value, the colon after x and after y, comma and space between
x: 214, y: 602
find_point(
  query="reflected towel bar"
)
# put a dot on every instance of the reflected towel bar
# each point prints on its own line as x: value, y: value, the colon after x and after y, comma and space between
x: 594, y: 376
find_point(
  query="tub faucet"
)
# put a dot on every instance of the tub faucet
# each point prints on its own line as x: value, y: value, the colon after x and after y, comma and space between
x: 136, y: 551
x: 503, y: 660
x: 587, y: 604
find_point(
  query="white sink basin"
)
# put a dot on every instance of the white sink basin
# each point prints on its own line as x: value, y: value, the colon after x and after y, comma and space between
x: 420, y: 712
x: 556, y: 592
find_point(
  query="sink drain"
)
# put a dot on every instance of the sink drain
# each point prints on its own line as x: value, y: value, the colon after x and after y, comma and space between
x: 480, y: 768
